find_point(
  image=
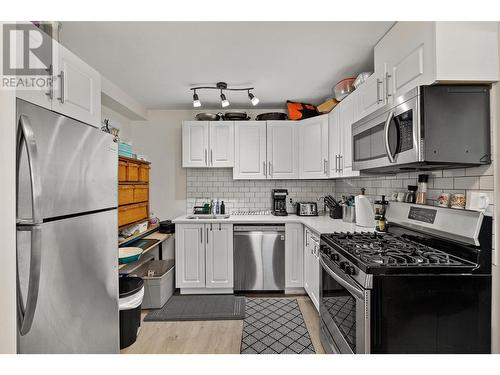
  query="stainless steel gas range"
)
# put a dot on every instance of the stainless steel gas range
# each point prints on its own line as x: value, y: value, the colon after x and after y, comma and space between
x: 423, y: 287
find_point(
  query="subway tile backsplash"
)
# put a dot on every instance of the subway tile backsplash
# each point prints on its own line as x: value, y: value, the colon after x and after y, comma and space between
x: 238, y: 195
x: 452, y: 181
x: 241, y: 195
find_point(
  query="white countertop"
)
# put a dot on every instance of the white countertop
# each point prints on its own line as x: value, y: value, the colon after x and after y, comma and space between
x: 318, y: 224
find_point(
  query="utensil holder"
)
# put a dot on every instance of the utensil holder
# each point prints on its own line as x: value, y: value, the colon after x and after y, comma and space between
x: 348, y: 214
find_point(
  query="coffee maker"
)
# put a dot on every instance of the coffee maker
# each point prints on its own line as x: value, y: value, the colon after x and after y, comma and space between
x: 279, y: 202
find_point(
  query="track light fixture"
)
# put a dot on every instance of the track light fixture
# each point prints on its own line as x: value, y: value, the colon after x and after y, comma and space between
x: 222, y: 86
x: 196, y: 100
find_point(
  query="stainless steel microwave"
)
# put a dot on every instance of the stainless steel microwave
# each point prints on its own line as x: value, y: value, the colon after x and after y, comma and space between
x: 430, y: 127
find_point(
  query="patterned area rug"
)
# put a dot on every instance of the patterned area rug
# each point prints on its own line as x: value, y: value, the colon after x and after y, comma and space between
x: 274, y: 326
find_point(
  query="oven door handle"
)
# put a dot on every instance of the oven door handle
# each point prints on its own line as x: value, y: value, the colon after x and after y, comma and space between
x: 386, y: 137
x: 357, y: 292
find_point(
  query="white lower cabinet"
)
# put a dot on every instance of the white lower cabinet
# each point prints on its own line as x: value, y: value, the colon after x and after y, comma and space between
x: 311, y: 266
x: 294, y: 256
x: 190, y: 256
x: 219, y: 255
x: 204, y: 257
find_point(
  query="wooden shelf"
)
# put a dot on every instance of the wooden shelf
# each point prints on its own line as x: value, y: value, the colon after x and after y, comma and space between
x: 150, y: 230
x: 145, y: 257
x: 126, y: 158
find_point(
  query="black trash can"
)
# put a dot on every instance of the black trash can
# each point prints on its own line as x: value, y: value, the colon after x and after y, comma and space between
x: 131, y: 294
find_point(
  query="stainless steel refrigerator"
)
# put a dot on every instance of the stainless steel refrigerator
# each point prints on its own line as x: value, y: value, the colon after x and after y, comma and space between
x: 67, y: 254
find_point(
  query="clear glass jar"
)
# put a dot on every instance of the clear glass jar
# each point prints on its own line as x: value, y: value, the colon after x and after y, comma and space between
x: 422, y: 189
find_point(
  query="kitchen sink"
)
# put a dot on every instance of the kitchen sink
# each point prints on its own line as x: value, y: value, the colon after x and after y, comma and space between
x: 207, y: 216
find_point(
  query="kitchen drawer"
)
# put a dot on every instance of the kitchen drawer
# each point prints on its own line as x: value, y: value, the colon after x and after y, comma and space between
x: 132, y: 213
x: 125, y: 194
x: 144, y: 173
x: 132, y: 172
x: 122, y: 171
x: 141, y: 193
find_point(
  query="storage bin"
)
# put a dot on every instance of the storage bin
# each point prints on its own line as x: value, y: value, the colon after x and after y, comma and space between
x: 132, y: 172
x: 158, y: 284
x: 122, y: 171
x: 132, y: 213
x: 141, y: 193
x: 144, y: 173
x: 125, y: 147
x: 125, y: 194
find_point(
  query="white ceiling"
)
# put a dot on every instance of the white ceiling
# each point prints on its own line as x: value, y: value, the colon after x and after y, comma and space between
x: 157, y: 62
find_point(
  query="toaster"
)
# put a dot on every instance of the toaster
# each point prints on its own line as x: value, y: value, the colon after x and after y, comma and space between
x: 307, y: 209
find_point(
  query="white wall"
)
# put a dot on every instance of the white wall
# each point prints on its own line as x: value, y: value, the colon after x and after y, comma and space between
x: 159, y: 138
x: 7, y: 220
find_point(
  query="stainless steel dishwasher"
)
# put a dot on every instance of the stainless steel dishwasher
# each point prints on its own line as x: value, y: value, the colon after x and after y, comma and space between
x: 259, y: 257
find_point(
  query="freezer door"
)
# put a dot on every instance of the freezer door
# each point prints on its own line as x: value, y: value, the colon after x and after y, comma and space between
x: 71, y: 167
x: 77, y: 301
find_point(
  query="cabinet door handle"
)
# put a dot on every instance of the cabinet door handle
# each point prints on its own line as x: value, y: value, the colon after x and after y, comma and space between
x: 212, y: 157
x: 50, y: 93
x: 264, y: 168
x: 387, y: 76
x: 379, y: 99
x: 341, y: 163
x: 201, y: 235
x: 270, y: 169
x: 206, y: 161
x: 337, y: 163
x: 324, y: 166
x: 61, y: 86
x: 207, y: 233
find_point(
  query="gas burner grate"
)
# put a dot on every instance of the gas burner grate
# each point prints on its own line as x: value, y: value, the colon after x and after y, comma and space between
x: 389, y: 250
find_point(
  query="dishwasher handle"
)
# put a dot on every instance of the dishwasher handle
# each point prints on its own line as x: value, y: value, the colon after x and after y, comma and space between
x: 259, y: 228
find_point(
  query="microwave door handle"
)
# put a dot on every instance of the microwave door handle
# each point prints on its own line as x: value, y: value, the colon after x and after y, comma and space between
x: 386, y: 137
x: 351, y: 288
x: 26, y: 135
x: 27, y: 313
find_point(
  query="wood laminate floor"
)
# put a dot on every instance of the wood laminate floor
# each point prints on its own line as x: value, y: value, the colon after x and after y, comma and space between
x: 208, y: 337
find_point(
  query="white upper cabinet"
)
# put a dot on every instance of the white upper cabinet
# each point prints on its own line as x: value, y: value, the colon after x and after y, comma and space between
x: 219, y: 256
x: 422, y: 53
x: 334, y: 141
x: 250, y: 160
x: 371, y: 95
x: 77, y: 87
x: 207, y: 144
x: 340, y: 123
x: 282, y: 150
x: 221, y: 141
x: 195, y: 144
x: 350, y: 109
x: 313, y: 147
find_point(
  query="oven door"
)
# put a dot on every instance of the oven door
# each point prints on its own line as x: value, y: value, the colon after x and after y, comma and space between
x: 344, y: 312
x: 388, y: 137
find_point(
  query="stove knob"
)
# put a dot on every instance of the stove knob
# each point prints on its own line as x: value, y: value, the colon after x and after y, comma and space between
x: 335, y: 257
x: 324, y: 249
x: 350, y: 270
x: 343, y: 266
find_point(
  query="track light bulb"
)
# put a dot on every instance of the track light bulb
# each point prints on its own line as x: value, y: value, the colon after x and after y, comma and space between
x: 196, y: 100
x: 253, y: 98
x: 224, y: 102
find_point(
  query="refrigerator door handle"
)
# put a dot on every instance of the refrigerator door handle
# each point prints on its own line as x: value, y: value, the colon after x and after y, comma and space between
x: 27, y: 313
x: 25, y: 134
